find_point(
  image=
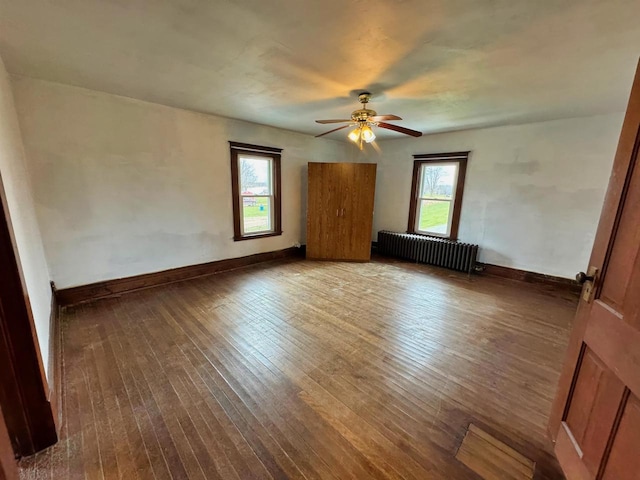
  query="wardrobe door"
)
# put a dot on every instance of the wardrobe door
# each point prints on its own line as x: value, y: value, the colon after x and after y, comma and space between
x: 358, y: 211
x: 340, y: 210
x: 323, y: 210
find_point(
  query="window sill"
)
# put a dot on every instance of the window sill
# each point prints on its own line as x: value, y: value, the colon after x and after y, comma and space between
x: 257, y: 235
x: 437, y: 235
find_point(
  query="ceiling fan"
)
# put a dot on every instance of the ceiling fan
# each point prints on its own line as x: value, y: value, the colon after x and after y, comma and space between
x: 363, y: 119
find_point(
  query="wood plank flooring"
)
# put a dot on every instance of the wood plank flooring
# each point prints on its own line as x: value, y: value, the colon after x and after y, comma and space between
x: 492, y: 459
x: 307, y: 370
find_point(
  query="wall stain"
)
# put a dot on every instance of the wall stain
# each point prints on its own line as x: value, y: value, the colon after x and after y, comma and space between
x: 518, y: 168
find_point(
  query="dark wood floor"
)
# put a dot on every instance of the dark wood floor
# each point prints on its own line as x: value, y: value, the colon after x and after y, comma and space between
x: 306, y: 370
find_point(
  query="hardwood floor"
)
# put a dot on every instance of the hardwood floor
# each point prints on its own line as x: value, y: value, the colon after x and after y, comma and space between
x: 299, y: 369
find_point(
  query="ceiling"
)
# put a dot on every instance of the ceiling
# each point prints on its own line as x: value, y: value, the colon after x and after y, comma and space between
x: 440, y: 64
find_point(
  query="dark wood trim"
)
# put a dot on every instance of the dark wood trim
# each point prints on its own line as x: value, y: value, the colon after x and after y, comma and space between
x: 413, y: 203
x: 8, y: 465
x: 457, y: 203
x: 235, y: 195
x: 461, y: 159
x: 277, y: 215
x: 529, y: 277
x: 55, y: 360
x: 260, y: 235
x: 108, y: 288
x: 24, y: 392
x: 254, y: 148
x: 235, y: 190
x: 443, y: 156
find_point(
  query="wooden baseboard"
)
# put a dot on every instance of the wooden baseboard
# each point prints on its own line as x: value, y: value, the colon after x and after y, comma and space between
x: 107, y: 288
x: 530, y: 277
x: 54, y: 367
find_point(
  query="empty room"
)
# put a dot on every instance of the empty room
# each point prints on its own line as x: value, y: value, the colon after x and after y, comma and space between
x: 319, y: 240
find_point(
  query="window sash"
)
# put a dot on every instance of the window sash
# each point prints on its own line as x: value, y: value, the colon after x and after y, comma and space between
x: 269, y: 195
x: 270, y: 216
x: 447, y: 231
x: 267, y: 185
x: 451, y: 201
x: 425, y: 166
x: 263, y: 158
x: 419, y: 195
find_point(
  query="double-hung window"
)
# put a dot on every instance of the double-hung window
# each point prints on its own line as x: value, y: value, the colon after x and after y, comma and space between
x: 255, y: 174
x: 436, y: 194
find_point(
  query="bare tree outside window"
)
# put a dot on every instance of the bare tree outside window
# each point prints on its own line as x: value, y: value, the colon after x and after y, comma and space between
x: 247, y: 173
x: 431, y: 178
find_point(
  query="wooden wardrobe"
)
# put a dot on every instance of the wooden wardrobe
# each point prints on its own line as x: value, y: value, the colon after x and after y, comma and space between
x: 340, y: 211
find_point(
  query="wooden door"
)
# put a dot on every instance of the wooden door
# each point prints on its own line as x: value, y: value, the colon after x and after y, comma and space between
x: 8, y: 468
x: 323, y: 209
x: 595, y: 420
x: 339, y: 234
x: 357, y: 213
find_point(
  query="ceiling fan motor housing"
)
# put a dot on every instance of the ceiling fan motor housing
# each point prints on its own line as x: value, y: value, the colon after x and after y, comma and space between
x: 362, y: 115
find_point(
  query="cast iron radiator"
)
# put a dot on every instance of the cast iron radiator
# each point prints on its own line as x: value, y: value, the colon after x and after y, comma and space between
x: 430, y: 250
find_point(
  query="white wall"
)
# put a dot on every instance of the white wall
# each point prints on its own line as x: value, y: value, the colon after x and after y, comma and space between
x: 17, y: 187
x: 532, y: 195
x: 125, y: 187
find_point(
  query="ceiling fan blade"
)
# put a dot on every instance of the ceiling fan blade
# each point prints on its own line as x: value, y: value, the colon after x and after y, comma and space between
x: 333, y: 121
x: 406, y: 131
x: 379, y: 118
x: 334, y: 130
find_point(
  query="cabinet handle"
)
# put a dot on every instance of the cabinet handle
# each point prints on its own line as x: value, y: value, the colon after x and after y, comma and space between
x: 343, y: 212
x: 337, y: 210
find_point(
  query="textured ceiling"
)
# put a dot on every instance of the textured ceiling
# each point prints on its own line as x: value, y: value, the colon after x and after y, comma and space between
x: 441, y: 65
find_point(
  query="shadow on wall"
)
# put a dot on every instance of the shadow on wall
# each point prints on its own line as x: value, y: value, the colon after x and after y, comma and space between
x: 488, y: 255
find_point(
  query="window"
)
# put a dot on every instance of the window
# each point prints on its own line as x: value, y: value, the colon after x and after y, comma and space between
x: 436, y: 194
x: 255, y: 173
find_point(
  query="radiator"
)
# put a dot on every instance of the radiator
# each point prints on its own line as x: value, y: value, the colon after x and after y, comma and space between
x: 429, y: 250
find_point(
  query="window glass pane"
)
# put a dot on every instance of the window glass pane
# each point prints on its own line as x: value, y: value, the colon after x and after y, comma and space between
x: 255, y: 175
x: 256, y: 214
x: 434, y: 216
x: 438, y: 181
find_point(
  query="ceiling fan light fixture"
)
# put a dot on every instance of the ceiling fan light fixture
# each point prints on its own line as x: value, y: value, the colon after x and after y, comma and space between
x: 365, y: 118
x: 367, y: 134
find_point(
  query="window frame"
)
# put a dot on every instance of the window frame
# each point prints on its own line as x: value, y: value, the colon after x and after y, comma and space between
x: 274, y: 154
x: 454, y: 158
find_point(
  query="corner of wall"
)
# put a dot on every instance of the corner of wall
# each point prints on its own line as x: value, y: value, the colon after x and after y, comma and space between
x: 16, y: 184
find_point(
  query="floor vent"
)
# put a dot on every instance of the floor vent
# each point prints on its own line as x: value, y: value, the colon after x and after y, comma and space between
x: 430, y: 250
x: 491, y: 459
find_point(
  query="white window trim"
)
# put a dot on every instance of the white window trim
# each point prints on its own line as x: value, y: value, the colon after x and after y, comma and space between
x: 270, y: 196
x: 451, y: 201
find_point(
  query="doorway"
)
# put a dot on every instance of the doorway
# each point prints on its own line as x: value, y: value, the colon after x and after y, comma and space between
x: 26, y: 409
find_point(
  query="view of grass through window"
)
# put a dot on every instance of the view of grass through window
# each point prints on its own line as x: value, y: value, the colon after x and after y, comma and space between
x: 436, y: 198
x: 434, y: 216
x: 255, y: 212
